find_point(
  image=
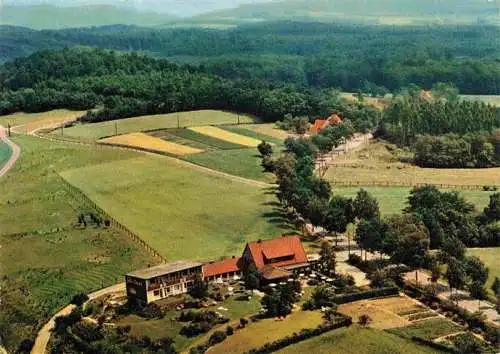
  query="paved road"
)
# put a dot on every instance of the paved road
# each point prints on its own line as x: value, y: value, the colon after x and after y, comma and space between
x: 15, y: 151
x: 43, y: 336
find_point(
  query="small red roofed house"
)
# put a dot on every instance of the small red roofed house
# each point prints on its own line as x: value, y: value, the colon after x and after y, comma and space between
x: 276, y: 259
x: 320, y: 124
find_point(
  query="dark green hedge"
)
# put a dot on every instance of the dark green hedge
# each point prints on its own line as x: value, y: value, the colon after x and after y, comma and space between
x: 368, y: 294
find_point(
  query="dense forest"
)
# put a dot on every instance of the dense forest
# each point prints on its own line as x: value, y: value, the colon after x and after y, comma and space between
x: 319, y: 55
x: 125, y: 85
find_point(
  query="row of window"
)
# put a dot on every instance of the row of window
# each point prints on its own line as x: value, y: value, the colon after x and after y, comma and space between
x: 175, y: 276
x: 164, y: 292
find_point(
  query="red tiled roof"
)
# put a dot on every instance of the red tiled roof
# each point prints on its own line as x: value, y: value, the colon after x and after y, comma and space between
x: 278, y: 247
x: 318, y: 125
x: 222, y: 267
x: 270, y: 272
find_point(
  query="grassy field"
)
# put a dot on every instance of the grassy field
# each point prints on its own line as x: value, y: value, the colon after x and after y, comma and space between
x: 490, y: 99
x: 268, y: 129
x: 355, y: 340
x: 32, y: 121
x: 393, y: 199
x: 491, y: 258
x: 267, y: 330
x: 376, y: 164
x: 255, y: 134
x: 144, y: 141
x: 241, y: 162
x: 44, y: 259
x: 174, y: 206
x: 5, y: 153
x: 214, y: 143
x: 385, y: 313
x: 162, y: 121
x: 427, y: 329
x: 226, y: 135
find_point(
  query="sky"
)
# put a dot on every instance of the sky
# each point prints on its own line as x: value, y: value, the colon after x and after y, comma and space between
x: 178, y: 7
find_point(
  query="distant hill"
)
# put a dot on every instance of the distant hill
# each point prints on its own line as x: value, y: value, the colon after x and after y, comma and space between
x: 53, y: 17
x: 400, y: 12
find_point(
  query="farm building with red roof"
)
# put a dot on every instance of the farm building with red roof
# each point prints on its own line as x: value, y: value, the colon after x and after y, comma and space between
x: 274, y: 259
x: 277, y: 258
x: 320, y: 124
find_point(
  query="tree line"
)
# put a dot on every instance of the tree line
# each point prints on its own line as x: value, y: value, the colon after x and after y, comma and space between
x: 351, y: 57
x: 126, y: 85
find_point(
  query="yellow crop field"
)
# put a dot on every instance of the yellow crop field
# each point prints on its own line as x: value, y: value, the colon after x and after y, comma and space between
x: 268, y: 129
x: 144, y: 141
x: 29, y: 122
x: 225, y: 135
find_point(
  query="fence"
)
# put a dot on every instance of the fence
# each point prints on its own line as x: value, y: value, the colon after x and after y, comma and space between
x: 348, y: 184
x: 79, y: 195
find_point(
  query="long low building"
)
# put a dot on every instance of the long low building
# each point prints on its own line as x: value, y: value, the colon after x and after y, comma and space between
x: 155, y: 283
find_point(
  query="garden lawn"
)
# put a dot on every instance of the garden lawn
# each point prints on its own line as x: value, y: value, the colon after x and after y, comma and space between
x: 393, y: 199
x: 44, y: 260
x: 356, y: 340
x: 491, y: 258
x: 5, y: 152
x: 241, y: 162
x: 161, y: 121
x: 180, y: 210
x: 268, y: 330
x: 37, y: 120
x: 427, y: 329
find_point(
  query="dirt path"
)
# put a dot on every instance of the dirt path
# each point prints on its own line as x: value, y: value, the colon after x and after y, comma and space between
x: 43, y: 337
x: 16, y: 151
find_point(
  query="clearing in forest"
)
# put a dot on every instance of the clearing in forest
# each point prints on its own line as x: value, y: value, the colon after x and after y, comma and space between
x: 226, y: 136
x: 147, y: 142
x: 153, y: 122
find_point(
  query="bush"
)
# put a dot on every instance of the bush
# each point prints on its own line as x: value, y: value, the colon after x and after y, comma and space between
x: 216, y: 337
x: 243, y: 322
x: 79, y: 299
x: 354, y: 259
x: 25, y: 346
x: 364, y: 320
x: 152, y: 311
x: 362, y: 295
x: 229, y: 331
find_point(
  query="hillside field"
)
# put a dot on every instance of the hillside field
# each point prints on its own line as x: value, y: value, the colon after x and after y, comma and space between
x: 356, y: 340
x: 45, y: 259
x: 94, y: 131
x: 26, y: 122
x: 377, y: 164
x: 181, y: 211
x: 393, y: 199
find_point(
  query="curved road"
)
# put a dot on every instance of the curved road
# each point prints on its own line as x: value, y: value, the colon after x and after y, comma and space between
x: 43, y: 336
x: 15, y: 151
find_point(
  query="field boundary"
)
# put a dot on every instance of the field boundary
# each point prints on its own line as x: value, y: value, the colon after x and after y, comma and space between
x: 82, y: 197
x: 348, y: 184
